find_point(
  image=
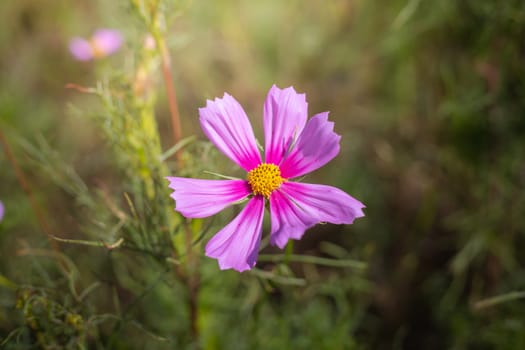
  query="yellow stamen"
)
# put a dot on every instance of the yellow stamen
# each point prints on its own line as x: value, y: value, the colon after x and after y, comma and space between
x: 98, y: 52
x: 265, y: 179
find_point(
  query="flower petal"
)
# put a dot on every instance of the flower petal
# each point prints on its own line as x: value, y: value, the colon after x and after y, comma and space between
x: 288, y: 220
x: 228, y: 128
x: 324, y: 203
x: 107, y: 41
x: 236, y: 246
x: 81, y: 49
x: 316, y: 146
x: 197, y: 198
x: 285, y: 113
x: 1, y: 210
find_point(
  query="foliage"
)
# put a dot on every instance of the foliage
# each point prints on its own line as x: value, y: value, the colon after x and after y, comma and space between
x: 429, y: 100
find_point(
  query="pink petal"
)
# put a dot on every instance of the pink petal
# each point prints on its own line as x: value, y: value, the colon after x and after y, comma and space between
x: 1, y: 210
x: 107, y: 41
x: 81, y: 49
x: 288, y: 220
x: 236, y: 246
x: 285, y: 113
x: 228, y: 128
x: 316, y: 146
x: 196, y: 198
x: 298, y: 206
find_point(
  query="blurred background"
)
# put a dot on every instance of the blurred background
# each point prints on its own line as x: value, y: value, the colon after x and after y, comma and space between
x: 429, y: 98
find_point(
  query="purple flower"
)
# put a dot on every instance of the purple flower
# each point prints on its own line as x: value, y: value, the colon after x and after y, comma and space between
x: 103, y: 43
x: 293, y: 148
x: 1, y: 210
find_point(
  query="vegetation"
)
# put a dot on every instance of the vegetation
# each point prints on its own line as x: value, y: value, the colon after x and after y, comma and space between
x: 429, y: 98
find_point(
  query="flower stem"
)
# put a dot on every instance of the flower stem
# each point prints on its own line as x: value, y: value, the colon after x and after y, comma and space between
x: 21, y: 178
x: 309, y: 259
x: 193, y: 282
x: 170, y: 92
x: 190, y: 276
x: 499, y: 299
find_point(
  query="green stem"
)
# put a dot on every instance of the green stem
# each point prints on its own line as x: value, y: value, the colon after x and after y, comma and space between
x: 109, y: 246
x: 309, y: 259
x: 499, y: 299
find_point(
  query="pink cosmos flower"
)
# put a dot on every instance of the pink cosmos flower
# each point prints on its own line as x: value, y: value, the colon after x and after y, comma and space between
x: 293, y: 148
x: 103, y: 43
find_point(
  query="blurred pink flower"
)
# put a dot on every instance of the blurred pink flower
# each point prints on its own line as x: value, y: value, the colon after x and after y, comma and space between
x: 293, y: 148
x: 103, y: 43
x: 1, y: 210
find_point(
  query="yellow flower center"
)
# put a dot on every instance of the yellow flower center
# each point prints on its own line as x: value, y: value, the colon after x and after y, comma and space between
x: 265, y: 179
x: 98, y: 52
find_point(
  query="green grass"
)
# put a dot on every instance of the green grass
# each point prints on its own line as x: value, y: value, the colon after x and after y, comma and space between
x: 428, y: 98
